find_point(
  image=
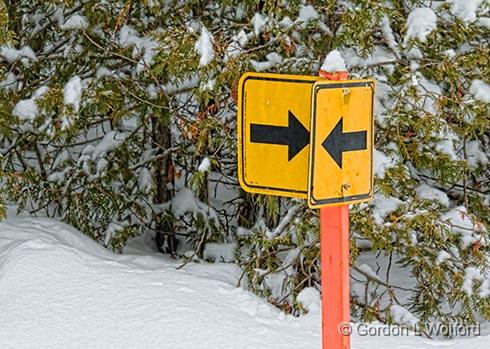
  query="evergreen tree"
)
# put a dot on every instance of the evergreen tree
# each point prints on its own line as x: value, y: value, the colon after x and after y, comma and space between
x: 119, y: 117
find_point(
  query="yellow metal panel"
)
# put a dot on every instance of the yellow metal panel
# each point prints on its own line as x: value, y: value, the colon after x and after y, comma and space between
x: 273, y: 133
x: 341, y: 155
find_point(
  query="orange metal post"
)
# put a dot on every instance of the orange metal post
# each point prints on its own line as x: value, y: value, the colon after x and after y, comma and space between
x: 334, y: 251
x: 334, y: 254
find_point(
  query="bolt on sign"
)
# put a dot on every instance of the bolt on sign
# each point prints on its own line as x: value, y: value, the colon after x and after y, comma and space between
x: 275, y: 112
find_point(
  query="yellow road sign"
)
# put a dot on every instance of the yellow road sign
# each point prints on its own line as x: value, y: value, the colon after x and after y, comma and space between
x: 341, y: 154
x: 274, y: 133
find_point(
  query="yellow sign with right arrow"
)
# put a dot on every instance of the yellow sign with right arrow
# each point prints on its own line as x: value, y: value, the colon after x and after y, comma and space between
x: 274, y: 133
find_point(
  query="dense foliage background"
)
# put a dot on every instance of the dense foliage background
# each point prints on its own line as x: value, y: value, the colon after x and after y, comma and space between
x: 119, y: 117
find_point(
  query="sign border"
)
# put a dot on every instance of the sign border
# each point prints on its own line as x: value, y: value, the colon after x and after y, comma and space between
x: 320, y: 85
x: 258, y: 189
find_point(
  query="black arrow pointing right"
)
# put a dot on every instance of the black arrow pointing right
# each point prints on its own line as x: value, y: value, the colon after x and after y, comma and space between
x: 294, y: 135
x: 337, y: 142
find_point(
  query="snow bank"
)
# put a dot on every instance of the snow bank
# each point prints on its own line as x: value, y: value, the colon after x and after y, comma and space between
x: 60, y: 289
x: 64, y: 290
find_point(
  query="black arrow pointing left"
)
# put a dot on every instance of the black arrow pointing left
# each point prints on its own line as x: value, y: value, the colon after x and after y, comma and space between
x: 337, y: 142
x: 294, y: 135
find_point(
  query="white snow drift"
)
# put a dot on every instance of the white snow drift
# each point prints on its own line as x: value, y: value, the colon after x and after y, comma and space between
x: 60, y: 289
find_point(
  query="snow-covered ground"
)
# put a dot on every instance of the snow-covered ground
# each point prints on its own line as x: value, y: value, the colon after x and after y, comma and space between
x: 60, y: 289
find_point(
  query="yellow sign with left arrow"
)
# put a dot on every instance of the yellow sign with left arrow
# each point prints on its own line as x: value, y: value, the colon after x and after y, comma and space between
x: 341, y: 152
x: 274, y: 133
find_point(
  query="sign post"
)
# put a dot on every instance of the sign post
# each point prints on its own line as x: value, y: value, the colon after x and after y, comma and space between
x: 334, y: 260
x: 312, y: 138
x: 334, y: 254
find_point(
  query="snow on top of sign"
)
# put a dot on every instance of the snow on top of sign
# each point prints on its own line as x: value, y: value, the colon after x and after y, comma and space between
x: 333, y: 62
